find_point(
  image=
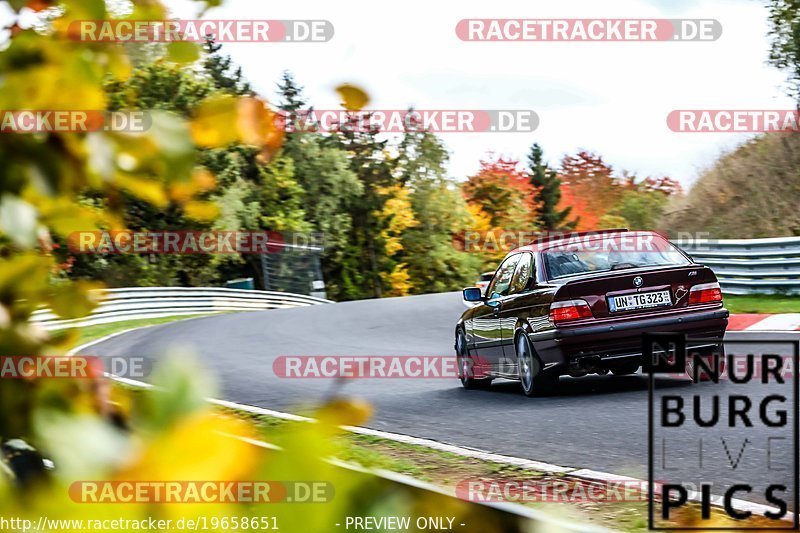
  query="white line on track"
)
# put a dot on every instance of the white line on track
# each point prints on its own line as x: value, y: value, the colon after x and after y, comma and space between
x: 583, y: 473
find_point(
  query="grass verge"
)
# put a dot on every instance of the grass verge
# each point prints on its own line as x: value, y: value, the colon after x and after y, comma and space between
x: 762, y: 303
x: 91, y: 333
x: 446, y: 470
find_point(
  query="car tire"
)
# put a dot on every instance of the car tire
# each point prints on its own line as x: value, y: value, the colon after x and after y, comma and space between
x: 709, y: 359
x: 465, y: 365
x: 533, y: 379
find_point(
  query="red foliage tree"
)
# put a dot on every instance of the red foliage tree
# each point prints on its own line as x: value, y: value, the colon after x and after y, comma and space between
x: 504, y: 193
x: 589, y: 188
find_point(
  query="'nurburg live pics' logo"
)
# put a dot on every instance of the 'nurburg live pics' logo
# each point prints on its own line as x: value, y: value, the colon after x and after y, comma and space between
x: 725, y: 442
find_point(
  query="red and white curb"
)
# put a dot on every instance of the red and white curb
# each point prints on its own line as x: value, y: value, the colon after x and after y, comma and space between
x: 761, y: 322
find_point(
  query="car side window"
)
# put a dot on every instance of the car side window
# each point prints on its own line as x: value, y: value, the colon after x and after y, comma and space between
x: 501, y: 282
x: 522, y: 274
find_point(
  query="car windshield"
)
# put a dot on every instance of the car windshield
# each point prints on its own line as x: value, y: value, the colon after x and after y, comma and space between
x: 561, y: 263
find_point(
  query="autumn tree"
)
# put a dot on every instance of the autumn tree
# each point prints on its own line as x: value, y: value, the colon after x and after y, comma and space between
x: 432, y: 261
x: 588, y: 188
x: 503, y: 193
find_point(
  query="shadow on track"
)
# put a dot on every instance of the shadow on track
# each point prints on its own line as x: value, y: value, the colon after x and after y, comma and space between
x: 586, y: 386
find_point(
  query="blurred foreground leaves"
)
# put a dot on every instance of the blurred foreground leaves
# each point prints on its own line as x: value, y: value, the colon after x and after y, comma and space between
x: 94, y: 429
x: 54, y: 183
x: 91, y: 428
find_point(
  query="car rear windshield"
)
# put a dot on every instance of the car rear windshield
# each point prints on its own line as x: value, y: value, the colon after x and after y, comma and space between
x: 561, y: 263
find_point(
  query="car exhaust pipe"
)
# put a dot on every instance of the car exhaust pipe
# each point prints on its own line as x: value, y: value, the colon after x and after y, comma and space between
x: 577, y: 373
x: 586, y: 365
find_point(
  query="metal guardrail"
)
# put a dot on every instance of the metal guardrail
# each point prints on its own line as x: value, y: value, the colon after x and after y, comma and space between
x: 154, y: 302
x: 743, y: 266
x: 750, y: 266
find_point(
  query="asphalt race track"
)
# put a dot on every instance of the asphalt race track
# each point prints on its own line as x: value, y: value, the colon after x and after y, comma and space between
x: 596, y: 422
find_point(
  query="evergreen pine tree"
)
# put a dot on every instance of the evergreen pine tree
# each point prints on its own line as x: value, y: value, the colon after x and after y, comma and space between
x: 545, y: 179
x: 219, y: 69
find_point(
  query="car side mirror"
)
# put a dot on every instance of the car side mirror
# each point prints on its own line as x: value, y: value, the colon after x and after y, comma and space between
x: 472, y: 294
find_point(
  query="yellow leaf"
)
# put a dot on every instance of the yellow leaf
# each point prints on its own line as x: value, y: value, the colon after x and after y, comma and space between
x: 345, y: 412
x: 119, y: 65
x: 66, y: 218
x: 183, y: 52
x: 398, y: 280
x: 74, y: 300
x: 256, y: 123
x: 203, y: 179
x: 182, y: 191
x: 211, y: 126
x: 44, y: 88
x: 144, y: 189
x: 23, y: 276
x: 353, y: 98
x: 201, y: 211
x: 201, y: 447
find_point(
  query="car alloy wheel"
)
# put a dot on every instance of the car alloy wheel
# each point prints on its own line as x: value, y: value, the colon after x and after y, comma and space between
x: 526, y: 369
x: 533, y: 379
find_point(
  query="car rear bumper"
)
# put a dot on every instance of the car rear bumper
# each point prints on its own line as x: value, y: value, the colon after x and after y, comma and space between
x: 620, y: 342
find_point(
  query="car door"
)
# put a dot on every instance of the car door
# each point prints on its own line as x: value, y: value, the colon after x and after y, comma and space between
x: 486, y: 329
x: 529, y: 299
x: 515, y: 303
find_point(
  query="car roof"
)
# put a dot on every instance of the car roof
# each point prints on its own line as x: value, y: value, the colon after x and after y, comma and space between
x: 560, y: 239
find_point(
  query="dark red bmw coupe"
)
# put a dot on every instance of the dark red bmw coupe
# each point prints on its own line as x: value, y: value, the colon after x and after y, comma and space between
x: 578, y: 303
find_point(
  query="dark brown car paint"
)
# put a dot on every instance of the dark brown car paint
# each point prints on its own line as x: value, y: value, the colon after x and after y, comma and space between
x: 492, y: 327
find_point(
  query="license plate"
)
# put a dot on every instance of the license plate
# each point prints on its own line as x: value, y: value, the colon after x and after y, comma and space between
x: 641, y: 300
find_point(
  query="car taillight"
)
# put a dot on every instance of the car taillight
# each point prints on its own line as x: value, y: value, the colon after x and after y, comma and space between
x: 569, y: 310
x: 704, y: 293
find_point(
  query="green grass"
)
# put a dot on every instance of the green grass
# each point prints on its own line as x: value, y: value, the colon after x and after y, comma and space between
x: 90, y: 333
x: 762, y: 303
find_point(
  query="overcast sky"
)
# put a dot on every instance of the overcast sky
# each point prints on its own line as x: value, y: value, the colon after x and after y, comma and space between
x: 612, y: 98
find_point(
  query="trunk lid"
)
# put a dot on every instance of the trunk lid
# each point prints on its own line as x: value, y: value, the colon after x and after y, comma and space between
x: 598, y: 290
